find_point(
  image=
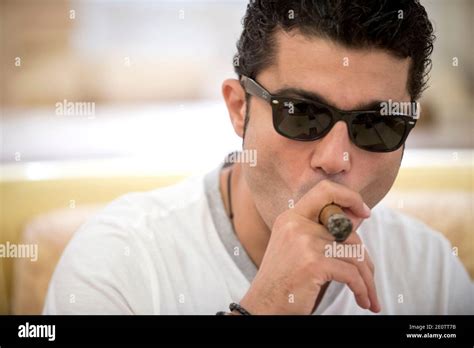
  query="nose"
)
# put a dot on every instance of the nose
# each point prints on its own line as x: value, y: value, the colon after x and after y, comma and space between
x: 332, y: 152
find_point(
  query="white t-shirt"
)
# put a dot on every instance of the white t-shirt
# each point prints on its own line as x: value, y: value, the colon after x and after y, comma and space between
x: 173, y: 251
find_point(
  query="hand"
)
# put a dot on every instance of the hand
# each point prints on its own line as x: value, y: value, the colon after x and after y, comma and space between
x: 295, y: 268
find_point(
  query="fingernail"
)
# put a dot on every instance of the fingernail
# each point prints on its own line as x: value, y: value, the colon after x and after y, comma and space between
x: 377, y: 306
x: 366, y: 209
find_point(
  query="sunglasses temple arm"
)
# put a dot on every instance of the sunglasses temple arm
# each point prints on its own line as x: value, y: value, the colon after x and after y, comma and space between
x: 253, y: 88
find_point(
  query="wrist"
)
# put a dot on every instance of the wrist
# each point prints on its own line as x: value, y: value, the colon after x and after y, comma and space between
x: 249, y: 304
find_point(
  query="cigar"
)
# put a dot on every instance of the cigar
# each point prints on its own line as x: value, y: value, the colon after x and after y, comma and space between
x: 337, y: 223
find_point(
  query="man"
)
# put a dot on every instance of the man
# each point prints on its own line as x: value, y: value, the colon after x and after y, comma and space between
x: 251, y: 235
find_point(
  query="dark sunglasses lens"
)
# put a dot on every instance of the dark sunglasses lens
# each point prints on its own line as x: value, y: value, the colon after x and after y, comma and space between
x: 300, y: 120
x: 373, y: 132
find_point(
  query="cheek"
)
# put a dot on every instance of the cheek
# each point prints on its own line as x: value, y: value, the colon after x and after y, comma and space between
x: 259, y: 124
x: 281, y: 161
x: 293, y: 162
x: 269, y: 180
x: 260, y: 135
x: 266, y: 181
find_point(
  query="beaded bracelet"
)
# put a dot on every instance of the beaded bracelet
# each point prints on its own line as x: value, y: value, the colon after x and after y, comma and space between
x: 235, y: 306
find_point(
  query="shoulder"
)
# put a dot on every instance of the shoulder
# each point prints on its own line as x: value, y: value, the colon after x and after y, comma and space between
x: 136, y: 214
x: 113, y: 257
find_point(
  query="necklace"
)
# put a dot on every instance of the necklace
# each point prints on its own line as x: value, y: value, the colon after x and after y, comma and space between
x: 229, y: 192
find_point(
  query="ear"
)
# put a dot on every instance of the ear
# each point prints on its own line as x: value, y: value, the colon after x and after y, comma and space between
x: 234, y: 96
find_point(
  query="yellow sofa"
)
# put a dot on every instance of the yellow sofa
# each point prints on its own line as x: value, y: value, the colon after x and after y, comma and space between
x: 48, y: 212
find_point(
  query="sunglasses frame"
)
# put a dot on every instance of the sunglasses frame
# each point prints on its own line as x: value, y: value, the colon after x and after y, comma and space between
x: 252, y: 87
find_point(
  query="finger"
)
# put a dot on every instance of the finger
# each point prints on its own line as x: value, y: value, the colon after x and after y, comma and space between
x: 360, y: 259
x: 368, y: 278
x: 354, y: 238
x: 344, y: 272
x: 315, y: 229
x: 326, y: 192
x: 363, y: 267
x: 321, y: 233
x: 356, y: 221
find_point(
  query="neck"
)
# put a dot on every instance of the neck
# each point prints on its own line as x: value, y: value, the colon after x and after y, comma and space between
x: 249, y: 226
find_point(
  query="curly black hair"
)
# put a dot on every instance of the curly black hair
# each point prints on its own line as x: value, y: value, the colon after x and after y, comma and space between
x: 401, y: 27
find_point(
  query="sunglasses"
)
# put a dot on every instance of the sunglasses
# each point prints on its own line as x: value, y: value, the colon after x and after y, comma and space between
x: 306, y: 120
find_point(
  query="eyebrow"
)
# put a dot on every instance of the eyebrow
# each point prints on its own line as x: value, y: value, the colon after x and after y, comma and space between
x: 313, y: 96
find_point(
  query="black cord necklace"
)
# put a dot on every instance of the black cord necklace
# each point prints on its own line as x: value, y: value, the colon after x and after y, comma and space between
x: 229, y: 192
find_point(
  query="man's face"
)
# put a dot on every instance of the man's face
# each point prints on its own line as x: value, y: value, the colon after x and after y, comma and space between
x: 347, y: 79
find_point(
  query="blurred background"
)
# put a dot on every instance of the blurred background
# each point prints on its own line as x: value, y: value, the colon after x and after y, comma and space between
x: 99, y: 98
